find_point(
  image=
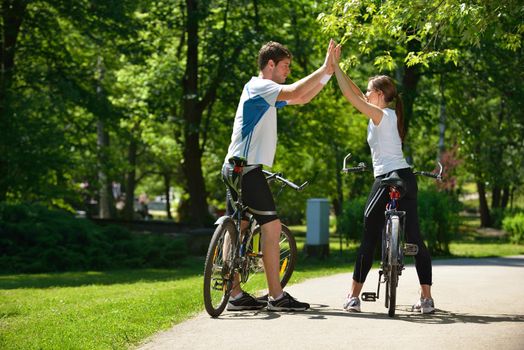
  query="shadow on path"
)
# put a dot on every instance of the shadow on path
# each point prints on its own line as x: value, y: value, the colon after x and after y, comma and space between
x: 493, y: 261
x: 324, y: 312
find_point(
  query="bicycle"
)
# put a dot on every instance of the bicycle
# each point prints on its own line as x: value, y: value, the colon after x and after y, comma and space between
x: 394, y: 247
x: 228, y: 255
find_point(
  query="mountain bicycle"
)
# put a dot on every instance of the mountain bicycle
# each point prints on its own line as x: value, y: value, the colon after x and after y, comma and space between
x: 234, y: 252
x: 394, y: 246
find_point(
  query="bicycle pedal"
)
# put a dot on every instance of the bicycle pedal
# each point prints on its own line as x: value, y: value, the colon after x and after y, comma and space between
x: 410, y: 249
x: 369, y: 296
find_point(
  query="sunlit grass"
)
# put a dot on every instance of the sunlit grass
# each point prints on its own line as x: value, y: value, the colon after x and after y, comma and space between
x: 91, y: 310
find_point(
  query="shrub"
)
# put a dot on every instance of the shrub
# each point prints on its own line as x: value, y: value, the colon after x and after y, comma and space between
x: 351, y: 223
x: 514, y: 225
x: 497, y: 216
x: 36, y: 239
x: 438, y: 218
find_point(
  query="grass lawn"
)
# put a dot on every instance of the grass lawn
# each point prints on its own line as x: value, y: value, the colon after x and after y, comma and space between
x: 95, y: 310
x: 119, y: 309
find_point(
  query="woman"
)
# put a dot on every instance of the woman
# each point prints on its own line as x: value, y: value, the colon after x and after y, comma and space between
x: 385, y: 136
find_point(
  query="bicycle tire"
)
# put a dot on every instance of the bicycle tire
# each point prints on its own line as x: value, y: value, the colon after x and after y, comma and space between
x: 218, y: 268
x: 391, y: 285
x: 288, y: 254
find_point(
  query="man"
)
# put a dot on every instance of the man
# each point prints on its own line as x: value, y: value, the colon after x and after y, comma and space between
x: 255, y: 138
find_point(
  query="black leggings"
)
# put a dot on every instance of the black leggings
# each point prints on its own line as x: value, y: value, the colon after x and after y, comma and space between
x: 374, y: 223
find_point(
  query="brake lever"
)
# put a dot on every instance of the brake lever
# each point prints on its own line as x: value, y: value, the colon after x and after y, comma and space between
x: 304, y: 185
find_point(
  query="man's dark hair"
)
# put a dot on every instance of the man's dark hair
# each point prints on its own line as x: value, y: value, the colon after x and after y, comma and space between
x: 272, y: 51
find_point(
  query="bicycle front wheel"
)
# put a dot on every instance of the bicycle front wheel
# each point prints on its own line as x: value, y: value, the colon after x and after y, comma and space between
x: 392, y: 281
x: 219, y: 269
x: 288, y: 254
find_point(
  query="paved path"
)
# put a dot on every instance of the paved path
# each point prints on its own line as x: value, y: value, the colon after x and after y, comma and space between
x: 480, y: 305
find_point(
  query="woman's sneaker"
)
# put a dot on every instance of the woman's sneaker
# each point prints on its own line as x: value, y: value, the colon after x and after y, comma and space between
x: 286, y: 303
x: 245, y: 302
x: 424, y: 306
x: 352, y: 304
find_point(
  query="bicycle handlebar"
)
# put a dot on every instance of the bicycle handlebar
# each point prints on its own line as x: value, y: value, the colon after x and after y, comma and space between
x: 432, y: 175
x: 278, y: 176
x: 357, y: 169
x: 362, y: 167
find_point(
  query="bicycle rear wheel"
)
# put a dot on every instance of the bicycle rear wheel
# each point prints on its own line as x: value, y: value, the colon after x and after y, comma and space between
x: 392, y: 278
x: 218, y: 270
x: 288, y: 254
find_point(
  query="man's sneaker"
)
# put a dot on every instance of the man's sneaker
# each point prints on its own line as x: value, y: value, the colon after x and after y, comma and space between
x: 286, y: 303
x: 352, y: 304
x: 424, y: 306
x: 263, y: 299
x: 245, y: 302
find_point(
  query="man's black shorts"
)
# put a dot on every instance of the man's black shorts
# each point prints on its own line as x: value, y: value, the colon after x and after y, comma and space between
x: 256, y: 194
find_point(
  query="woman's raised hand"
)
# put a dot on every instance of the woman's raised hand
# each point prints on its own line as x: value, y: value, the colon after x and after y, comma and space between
x: 330, y: 68
x: 336, y: 54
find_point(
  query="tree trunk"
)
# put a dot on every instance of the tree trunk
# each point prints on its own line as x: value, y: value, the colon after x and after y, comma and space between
x: 496, y: 196
x: 129, y: 207
x: 485, y: 220
x: 505, y: 197
x: 442, y: 118
x: 105, y: 190
x: 105, y: 202
x: 192, y: 167
x: 338, y: 202
x: 13, y: 13
x: 167, y: 187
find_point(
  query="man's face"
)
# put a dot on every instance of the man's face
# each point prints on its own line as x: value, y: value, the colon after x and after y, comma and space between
x: 281, y: 71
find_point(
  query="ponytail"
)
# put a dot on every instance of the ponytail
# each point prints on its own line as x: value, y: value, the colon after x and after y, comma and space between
x: 399, y: 109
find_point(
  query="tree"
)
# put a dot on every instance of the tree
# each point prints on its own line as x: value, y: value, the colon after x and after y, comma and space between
x: 45, y: 80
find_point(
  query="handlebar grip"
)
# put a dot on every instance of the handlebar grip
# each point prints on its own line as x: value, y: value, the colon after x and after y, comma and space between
x: 428, y: 174
x: 354, y: 169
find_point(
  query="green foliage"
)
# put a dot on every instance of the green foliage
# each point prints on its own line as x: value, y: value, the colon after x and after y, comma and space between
x: 386, y: 27
x: 438, y: 218
x: 36, y: 239
x: 514, y: 225
x: 351, y: 222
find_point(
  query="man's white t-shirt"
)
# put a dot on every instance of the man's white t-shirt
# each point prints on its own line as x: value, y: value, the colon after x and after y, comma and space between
x: 385, y: 144
x: 255, y: 129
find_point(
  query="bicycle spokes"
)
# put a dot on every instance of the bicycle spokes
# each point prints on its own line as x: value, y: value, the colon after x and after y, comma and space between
x: 219, y: 268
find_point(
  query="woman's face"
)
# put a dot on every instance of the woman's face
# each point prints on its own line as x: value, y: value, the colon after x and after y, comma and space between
x: 372, y: 95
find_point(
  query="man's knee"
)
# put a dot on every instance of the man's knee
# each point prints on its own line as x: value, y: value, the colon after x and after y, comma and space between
x: 272, y: 228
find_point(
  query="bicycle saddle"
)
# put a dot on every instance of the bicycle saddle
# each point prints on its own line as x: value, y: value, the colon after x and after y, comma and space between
x: 238, y: 161
x: 394, y: 180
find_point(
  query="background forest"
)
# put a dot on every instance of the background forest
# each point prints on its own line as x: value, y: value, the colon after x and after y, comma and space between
x: 101, y: 101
